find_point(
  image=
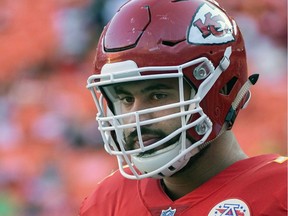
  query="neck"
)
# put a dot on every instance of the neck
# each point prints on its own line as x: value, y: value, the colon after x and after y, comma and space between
x: 219, y: 155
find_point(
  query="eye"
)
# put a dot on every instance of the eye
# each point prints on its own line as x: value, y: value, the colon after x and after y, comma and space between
x: 126, y: 99
x: 159, y: 96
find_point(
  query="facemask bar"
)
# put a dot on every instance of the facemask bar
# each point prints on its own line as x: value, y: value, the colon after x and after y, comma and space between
x: 109, y: 123
x: 114, y: 123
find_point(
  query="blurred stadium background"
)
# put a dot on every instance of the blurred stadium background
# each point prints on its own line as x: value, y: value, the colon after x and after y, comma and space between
x: 51, y: 154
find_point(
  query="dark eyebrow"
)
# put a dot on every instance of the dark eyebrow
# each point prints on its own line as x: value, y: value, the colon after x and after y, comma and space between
x: 156, y: 87
x: 120, y: 90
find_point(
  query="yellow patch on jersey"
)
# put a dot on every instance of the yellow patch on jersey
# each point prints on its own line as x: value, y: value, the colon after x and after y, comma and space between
x: 281, y: 159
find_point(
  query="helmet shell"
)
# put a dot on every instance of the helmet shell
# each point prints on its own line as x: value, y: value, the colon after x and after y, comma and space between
x: 173, y: 32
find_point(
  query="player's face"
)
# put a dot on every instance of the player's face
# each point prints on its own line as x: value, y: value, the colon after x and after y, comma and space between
x: 141, y: 95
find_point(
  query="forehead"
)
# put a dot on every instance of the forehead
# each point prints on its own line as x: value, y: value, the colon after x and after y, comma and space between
x: 171, y: 83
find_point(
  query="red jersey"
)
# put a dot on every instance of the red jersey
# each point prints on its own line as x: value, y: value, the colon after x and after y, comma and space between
x: 254, y: 186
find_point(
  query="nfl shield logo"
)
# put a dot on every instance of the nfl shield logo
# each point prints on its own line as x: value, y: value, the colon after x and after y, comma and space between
x: 168, y: 212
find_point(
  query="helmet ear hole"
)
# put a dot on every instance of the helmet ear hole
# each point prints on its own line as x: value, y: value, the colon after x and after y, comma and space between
x: 227, y: 88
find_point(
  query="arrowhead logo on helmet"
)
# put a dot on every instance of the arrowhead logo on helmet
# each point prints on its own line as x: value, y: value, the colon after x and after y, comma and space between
x: 210, y: 26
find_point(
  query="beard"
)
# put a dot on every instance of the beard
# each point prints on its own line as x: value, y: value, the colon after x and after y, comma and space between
x: 158, y: 133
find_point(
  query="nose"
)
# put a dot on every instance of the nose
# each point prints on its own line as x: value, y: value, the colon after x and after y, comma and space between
x: 139, y: 112
x: 136, y: 115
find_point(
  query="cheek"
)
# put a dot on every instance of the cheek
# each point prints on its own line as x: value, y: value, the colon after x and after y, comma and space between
x: 170, y: 124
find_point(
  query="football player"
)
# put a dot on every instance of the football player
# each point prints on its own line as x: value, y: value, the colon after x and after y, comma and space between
x: 170, y: 79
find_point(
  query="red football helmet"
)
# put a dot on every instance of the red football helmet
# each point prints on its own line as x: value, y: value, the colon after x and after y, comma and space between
x: 194, y: 41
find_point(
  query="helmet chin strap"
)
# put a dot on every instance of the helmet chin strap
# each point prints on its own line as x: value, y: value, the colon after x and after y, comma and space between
x: 231, y: 116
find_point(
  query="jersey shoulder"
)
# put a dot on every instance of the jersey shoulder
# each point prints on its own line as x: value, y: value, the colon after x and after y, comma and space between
x: 272, y: 165
x: 265, y: 181
x: 253, y: 186
x: 110, y: 191
x: 267, y: 176
x: 264, y: 168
